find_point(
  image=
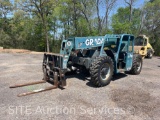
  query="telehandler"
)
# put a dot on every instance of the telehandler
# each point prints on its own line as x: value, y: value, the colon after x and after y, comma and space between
x: 102, y: 56
x: 143, y: 47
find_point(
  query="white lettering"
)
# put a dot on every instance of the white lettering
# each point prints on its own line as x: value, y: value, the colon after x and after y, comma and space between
x: 91, y: 41
x: 83, y: 109
x: 99, y: 41
x: 11, y: 109
x: 39, y: 110
x: 87, y: 42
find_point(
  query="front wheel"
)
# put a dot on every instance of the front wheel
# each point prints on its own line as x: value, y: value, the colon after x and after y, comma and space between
x: 149, y: 53
x: 101, y: 71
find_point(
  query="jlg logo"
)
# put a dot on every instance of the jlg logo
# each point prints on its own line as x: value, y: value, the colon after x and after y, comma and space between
x: 91, y: 41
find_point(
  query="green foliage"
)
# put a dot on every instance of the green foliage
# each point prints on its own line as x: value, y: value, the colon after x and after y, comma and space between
x: 29, y: 24
x: 152, y: 23
x: 121, y: 23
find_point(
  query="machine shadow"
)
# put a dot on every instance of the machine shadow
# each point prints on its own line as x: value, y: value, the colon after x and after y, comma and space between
x: 87, y: 77
x: 119, y: 76
x: 79, y: 76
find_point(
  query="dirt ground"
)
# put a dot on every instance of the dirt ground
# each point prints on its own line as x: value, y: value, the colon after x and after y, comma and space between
x: 129, y: 97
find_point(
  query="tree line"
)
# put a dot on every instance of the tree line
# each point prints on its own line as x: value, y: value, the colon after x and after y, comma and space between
x: 40, y: 25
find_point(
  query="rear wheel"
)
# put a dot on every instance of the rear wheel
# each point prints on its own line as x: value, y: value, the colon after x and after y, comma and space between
x: 137, y: 64
x: 149, y: 53
x: 101, y: 71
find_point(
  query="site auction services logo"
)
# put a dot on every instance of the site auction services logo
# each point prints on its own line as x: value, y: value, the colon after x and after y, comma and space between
x: 28, y: 110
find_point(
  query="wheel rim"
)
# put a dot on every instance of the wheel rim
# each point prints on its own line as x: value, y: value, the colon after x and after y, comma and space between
x: 150, y: 54
x: 139, y: 64
x: 105, y: 72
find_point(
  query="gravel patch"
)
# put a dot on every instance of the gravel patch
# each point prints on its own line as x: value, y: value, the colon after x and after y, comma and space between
x: 129, y: 97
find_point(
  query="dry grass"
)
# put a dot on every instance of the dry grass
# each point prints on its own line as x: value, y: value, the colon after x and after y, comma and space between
x: 19, y: 51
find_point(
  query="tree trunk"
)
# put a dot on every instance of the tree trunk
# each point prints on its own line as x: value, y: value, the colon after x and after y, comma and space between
x: 84, y: 11
x: 89, y: 25
x: 47, y: 41
x: 131, y: 9
x: 99, y: 19
x: 46, y: 35
x: 65, y: 34
x: 141, y: 22
x: 75, y: 16
x: 68, y: 33
x: 130, y: 4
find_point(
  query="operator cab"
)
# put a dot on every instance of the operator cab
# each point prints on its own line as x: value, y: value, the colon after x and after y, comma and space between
x: 121, y: 49
x: 140, y: 41
x: 125, y: 53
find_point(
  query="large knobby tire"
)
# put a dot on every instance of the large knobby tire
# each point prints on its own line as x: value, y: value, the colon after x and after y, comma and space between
x: 101, y: 71
x: 136, y: 65
x: 149, y: 53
